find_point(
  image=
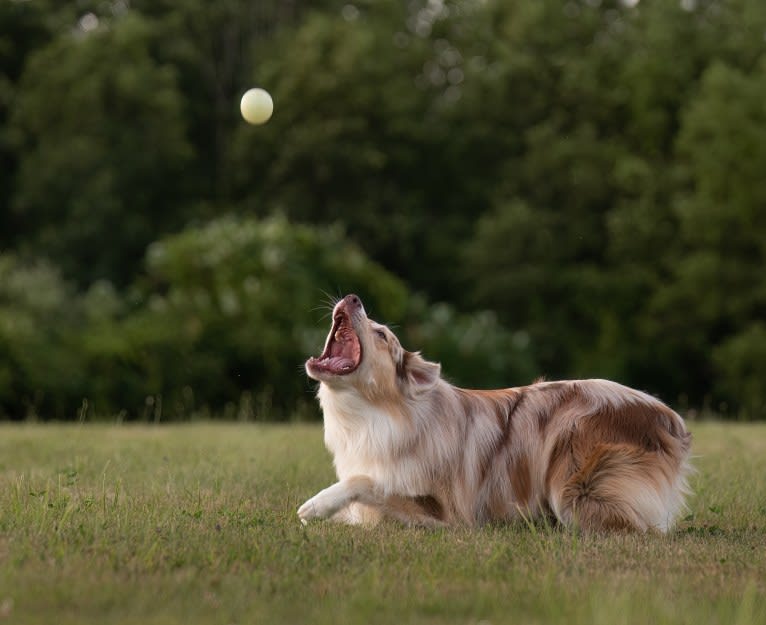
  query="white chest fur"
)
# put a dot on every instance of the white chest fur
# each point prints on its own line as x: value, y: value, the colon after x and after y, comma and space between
x: 365, y: 439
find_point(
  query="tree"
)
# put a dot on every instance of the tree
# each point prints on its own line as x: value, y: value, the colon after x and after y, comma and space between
x: 22, y: 29
x: 102, y: 151
x: 716, y: 292
x: 364, y: 133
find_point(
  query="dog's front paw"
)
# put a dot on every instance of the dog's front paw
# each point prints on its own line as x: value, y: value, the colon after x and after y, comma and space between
x: 321, y: 506
x: 308, y: 511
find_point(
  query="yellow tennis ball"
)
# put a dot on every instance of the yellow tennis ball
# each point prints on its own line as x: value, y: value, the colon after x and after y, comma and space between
x: 256, y: 106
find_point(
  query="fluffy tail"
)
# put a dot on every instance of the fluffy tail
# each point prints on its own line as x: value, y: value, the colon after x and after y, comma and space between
x: 621, y: 486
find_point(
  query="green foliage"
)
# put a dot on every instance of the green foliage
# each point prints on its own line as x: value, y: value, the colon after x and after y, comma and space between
x: 40, y: 364
x: 717, y: 276
x: 242, y: 296
x: 22, y: 29
x: 740, y: 365
x: 475, y: 350
x: 526, y: 276
x: 586, y: 175
x: 222, y: 320
x: 352, y: 138
x: 101, y: 136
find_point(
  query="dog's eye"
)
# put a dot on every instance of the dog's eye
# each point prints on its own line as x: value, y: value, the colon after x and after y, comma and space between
x: 381, y: 335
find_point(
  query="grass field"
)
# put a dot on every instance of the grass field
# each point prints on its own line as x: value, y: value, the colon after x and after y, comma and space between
x: 196, y: 524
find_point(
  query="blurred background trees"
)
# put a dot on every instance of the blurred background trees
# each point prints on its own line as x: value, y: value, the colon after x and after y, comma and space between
x: 522, y: 188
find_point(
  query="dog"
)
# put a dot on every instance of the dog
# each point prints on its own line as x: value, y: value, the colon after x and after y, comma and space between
x: 409, y: 446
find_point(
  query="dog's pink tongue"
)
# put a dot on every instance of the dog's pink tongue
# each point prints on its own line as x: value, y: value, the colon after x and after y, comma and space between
x: 345, y: 349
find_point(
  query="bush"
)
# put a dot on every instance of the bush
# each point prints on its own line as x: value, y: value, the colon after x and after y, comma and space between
x: 40, y: 365
x: 220, y: 323
x: 740, y: 363
x: 227, y: 313
x: 474, y: 349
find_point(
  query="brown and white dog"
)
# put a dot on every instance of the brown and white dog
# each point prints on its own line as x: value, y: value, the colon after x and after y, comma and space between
x: 408, y: 445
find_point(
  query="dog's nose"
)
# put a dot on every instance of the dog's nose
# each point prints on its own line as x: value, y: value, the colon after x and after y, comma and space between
x: 353, y: 300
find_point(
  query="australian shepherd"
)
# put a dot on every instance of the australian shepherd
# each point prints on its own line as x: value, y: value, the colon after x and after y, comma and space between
x: 408, y: 445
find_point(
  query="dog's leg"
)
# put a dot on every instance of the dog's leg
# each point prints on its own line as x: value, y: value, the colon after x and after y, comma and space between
x: 422, y: 511
x: 335, y: 500
x: 358, y: 514
x: 336, y: 497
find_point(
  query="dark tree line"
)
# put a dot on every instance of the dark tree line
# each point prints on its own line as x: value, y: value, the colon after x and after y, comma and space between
x: 583, y: 184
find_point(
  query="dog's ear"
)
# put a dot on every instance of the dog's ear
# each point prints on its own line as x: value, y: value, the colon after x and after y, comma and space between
x: 417, y: 373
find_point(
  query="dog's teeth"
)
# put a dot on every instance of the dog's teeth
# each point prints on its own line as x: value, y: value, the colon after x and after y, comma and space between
x: 339, y: 336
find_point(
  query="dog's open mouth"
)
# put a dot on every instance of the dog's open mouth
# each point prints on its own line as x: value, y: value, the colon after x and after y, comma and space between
x: 342, y: 351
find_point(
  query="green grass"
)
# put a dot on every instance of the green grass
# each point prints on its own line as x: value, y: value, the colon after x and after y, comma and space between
x: 196, y: 524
